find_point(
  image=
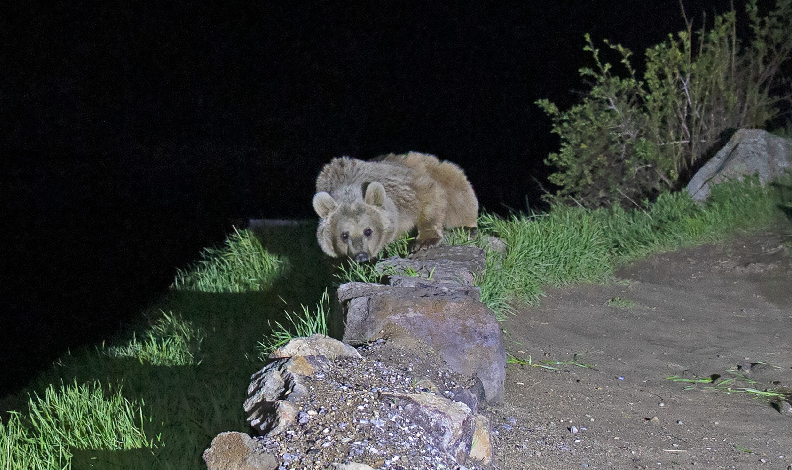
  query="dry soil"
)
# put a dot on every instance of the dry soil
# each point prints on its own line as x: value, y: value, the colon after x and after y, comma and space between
x: 718, y: 312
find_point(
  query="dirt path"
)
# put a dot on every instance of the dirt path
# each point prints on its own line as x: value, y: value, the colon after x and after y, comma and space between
x: 715, y: 309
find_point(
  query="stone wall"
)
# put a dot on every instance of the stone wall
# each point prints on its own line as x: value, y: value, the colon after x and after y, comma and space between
x: 421, y: 360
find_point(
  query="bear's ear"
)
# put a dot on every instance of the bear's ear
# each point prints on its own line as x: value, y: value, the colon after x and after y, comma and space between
x: 375, y: 194
x: 324, y: 204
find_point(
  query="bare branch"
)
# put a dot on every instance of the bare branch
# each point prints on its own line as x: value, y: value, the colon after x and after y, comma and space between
x: 688, y: 24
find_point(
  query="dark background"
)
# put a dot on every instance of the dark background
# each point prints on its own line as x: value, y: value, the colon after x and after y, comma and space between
x: 133, y: 132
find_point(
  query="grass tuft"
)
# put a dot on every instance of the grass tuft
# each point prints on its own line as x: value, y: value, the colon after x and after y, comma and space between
x: 243, y: 265
x: 172, y: 341
x: 398, y: 248
x: 80, y: 416
x: 21, y: 449
x: 352, y: 271
x: 297, y: 325
x: 571, y: 245
x: 562, y: 247
x: 73, y: 417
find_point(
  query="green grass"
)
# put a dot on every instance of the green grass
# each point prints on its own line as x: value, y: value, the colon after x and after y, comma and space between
x: 571, y: 245
x: 302, y: 324
x: 461, y: 236
x: 171, y: 341
x: 351, y: 271
x: 737, y: 382
x: 548, y: 364
x: 399, y: 247
x: 562, y: 247
x: 243, y: 265
x: 73, y: 417
x: 82, y: 417
x: 23, y: 449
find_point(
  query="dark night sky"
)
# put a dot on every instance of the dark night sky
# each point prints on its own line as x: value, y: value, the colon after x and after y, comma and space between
x: 132, y: 132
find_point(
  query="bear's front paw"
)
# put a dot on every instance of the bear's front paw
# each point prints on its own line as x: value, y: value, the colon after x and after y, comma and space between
x: 424, y: 243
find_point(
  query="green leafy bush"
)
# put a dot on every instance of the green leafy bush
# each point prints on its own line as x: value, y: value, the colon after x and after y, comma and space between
x: 630, y: 139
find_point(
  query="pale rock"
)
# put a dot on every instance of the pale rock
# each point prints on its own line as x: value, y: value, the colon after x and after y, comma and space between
x: 481, y: 448
x: 314, y: 345
x: 749, y: 151
x: 236, y: 451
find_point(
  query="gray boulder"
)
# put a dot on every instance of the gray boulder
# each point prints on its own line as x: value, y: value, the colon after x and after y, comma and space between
x: 749, y: 151
x: 450, y: 320
x: 451, y: 265
x: 439, y: 307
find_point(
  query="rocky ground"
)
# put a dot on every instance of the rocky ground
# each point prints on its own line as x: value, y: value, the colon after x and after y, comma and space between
x: 632, y: 364
x: 345, y: 416
x: 664, y: 367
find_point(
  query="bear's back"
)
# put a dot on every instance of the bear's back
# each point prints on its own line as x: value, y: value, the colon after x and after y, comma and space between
x: 345, y: 171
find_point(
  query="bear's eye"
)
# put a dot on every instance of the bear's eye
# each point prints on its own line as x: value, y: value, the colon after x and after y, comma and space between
x: 344, y: 236
x: 367, y: 232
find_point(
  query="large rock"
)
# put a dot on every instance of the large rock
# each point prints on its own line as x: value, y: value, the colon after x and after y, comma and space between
x: 443, y: 265
x: 450, y: 320
x: 749, y: 151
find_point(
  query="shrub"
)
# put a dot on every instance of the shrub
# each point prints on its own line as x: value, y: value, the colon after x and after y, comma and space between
x: 631, y: 139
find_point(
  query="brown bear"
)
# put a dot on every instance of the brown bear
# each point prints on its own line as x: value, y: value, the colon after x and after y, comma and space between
x: 364, y: 205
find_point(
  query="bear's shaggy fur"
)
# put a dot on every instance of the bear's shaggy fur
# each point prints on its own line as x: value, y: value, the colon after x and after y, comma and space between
x: 364, y: 205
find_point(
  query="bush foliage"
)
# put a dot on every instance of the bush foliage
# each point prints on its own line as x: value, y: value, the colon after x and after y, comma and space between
x: 631, y: 139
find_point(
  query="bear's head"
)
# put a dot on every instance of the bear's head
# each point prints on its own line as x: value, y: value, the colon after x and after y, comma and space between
x: 353, y: 224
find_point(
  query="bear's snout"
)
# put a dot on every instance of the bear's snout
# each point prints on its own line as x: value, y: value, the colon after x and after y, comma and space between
x: 362, y: 257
